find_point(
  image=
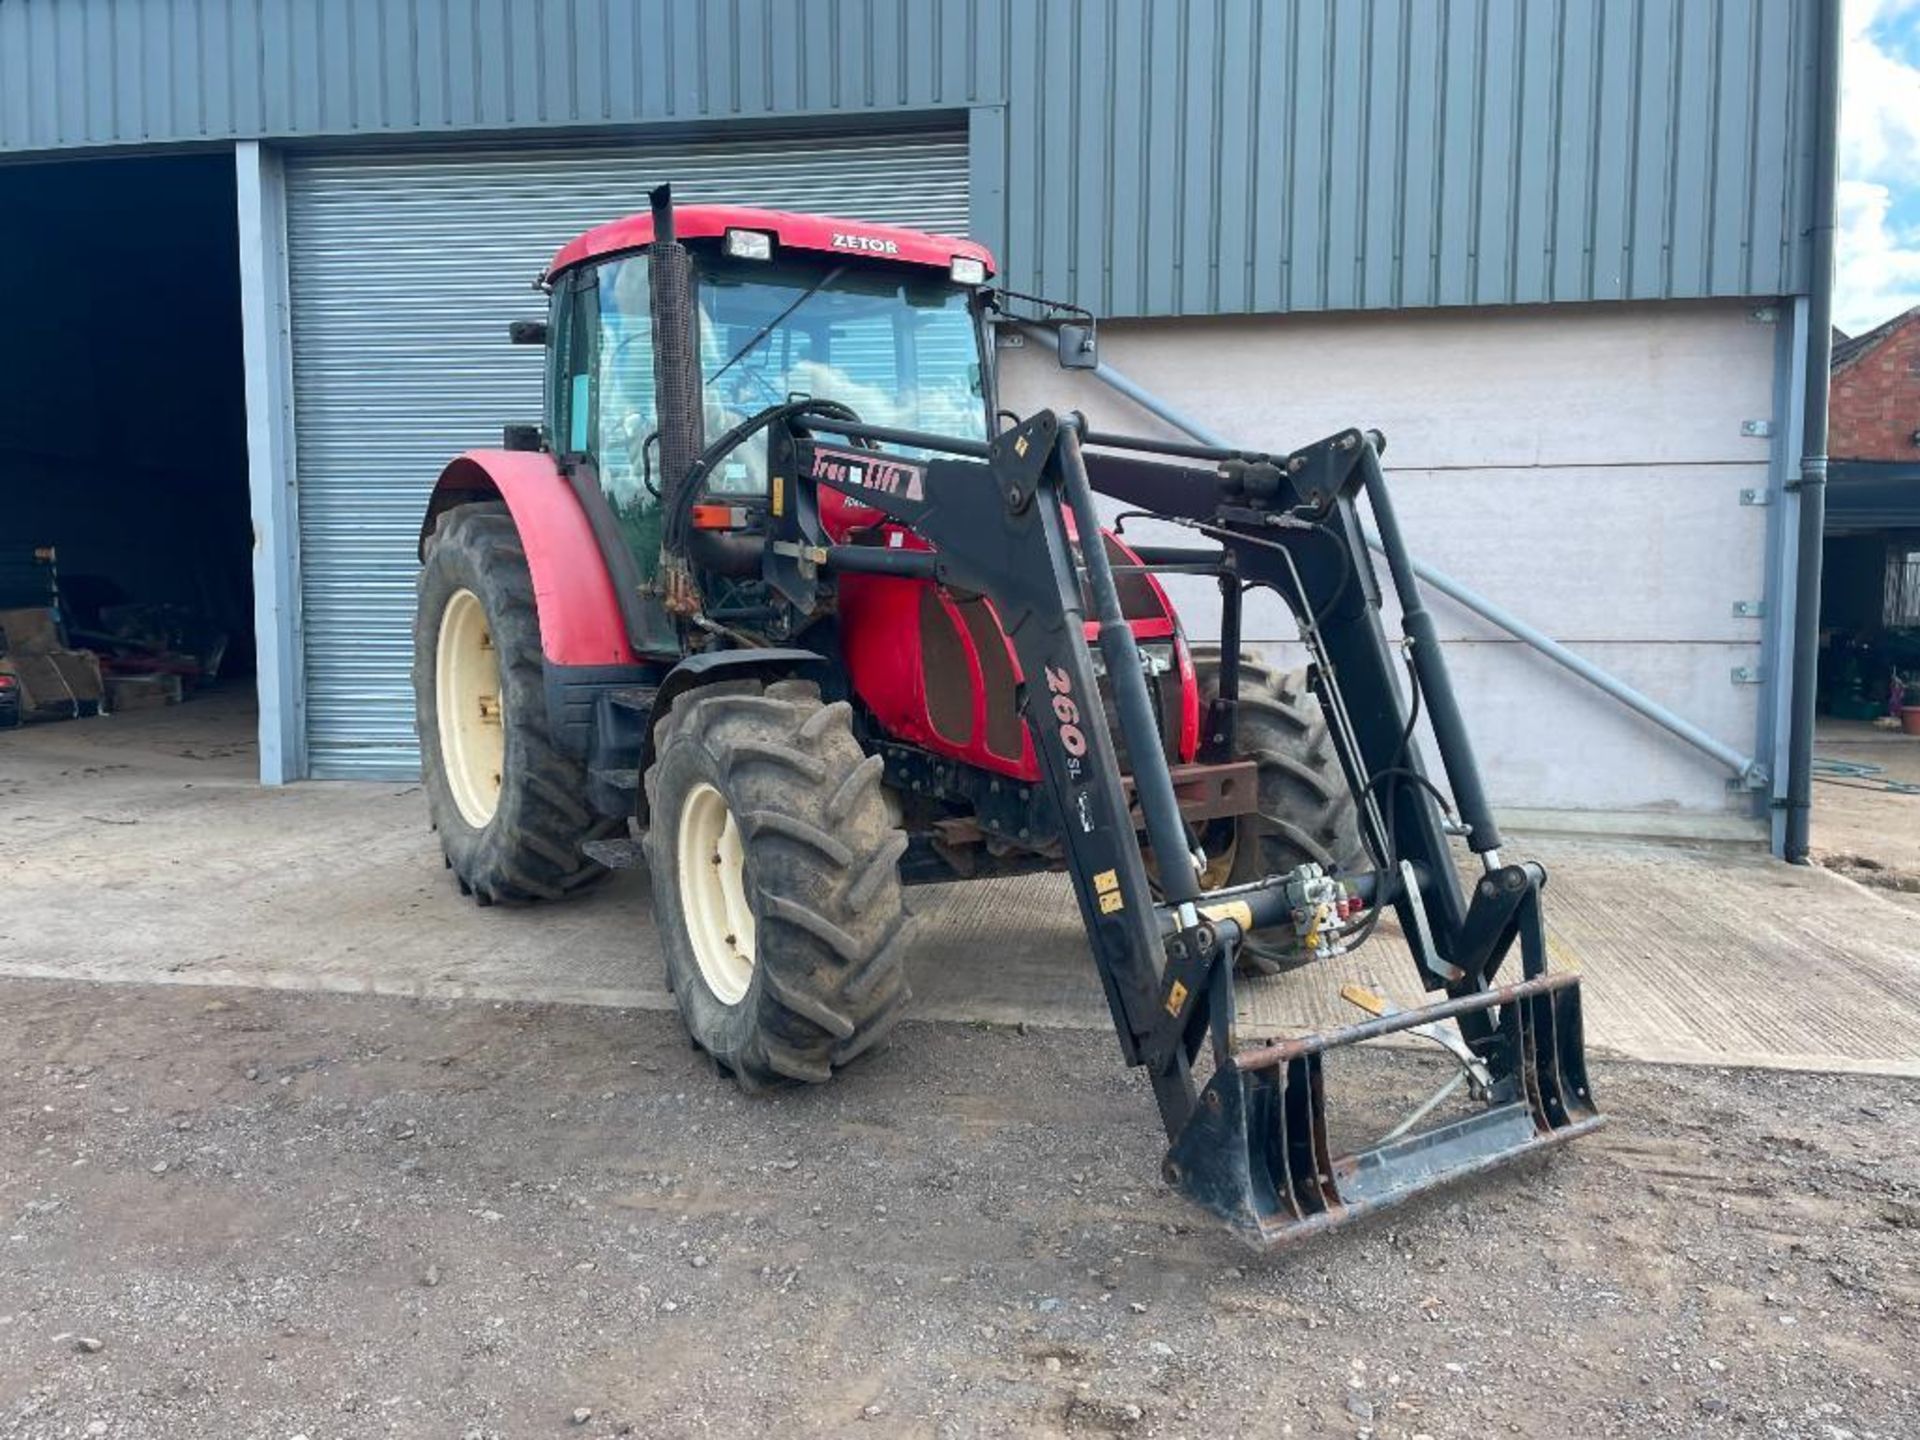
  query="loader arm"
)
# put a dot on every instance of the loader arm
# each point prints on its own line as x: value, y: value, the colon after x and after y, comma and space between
x: 1252, y: 1144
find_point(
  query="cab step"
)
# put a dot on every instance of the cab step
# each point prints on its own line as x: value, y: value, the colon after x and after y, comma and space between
x: 615, y: 854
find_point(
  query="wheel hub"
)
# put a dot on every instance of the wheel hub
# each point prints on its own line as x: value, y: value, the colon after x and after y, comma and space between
x: 467, y: 690
x: 711, y: 857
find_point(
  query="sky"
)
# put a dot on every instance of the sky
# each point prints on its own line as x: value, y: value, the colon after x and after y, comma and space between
x: 1877, y: 249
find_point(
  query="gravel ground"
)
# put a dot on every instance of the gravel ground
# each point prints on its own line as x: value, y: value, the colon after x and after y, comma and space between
x: 247, y: 1213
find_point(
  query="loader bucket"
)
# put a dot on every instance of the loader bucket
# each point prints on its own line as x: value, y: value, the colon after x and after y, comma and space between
x: 1255, y: 1151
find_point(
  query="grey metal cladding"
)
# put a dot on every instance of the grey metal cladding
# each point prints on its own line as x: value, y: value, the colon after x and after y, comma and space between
x: 1146, y: 157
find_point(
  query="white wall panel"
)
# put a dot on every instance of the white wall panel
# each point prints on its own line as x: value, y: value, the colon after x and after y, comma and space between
x: 1580, y: 465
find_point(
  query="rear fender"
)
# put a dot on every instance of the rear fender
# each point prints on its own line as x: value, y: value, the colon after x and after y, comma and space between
x: 715, y: 665
x: 580, y: 621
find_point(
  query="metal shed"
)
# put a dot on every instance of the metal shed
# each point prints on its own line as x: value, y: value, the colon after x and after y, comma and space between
x: 1305, y: 212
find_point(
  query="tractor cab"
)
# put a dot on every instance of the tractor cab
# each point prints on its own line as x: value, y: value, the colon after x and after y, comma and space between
x: 771, y: 307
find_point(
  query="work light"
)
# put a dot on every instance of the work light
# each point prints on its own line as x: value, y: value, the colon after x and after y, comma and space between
x: 749, y: 245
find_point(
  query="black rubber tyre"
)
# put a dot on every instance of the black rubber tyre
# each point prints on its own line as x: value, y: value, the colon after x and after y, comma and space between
x: 529, y: 848
x: 821, y: 871
x: 1306, y: 811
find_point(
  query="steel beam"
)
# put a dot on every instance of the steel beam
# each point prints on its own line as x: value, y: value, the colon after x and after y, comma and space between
x: 262, y: 226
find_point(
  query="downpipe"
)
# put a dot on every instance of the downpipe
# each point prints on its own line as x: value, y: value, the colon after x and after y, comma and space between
x: 1812, y: 486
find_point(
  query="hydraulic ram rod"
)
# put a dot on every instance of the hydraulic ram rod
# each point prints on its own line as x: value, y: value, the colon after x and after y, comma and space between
x: 1429, y: 664
x: 1166, y: 832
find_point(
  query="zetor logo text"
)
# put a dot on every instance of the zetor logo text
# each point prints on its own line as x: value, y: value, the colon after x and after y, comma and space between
x: 865, y: 242
x: 888, y: 477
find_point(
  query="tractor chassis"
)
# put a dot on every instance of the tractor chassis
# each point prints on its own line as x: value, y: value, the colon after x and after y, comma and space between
x: 1250, y: 1144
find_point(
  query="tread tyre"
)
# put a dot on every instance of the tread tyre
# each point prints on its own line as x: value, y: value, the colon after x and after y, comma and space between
x: 515, y: 838
x: 815, y: 858
x: 1306, y: 811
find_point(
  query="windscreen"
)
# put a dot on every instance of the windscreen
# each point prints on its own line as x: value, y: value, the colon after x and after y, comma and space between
x: 896, y: 346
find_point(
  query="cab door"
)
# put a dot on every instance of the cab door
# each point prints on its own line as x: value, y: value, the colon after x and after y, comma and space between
x: 601, y: 429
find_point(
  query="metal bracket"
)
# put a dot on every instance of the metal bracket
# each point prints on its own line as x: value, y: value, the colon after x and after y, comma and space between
x: 807, y: 558
x: 1757, y: 429
x: 1746, y: 675
x: 1020, y: 455
x: 1753, y: 495
x: 1749, y: 609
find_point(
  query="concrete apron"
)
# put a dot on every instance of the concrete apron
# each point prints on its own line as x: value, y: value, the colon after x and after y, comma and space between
x: 137, y: 849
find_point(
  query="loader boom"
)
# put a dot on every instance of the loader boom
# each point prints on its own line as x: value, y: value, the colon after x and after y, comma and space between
x: 1252, y: 1145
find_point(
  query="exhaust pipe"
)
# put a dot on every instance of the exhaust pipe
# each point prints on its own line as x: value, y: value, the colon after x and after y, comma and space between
x: 676, y: 356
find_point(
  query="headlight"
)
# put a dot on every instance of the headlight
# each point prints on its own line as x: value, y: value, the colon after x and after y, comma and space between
x: 749, y: 245
x: 966, y: 270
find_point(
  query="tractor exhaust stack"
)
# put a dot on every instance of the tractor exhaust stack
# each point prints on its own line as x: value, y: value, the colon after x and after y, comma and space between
x: 676, y: 354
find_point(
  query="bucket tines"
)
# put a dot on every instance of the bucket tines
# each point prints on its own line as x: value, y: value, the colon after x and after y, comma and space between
x: 1256, y: 1151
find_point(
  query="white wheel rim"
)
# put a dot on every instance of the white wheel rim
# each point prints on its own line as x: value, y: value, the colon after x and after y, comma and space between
x: 712, y: 858
x: 473, y: 731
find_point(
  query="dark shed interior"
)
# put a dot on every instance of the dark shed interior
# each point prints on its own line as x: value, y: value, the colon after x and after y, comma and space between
x: 123, y: 412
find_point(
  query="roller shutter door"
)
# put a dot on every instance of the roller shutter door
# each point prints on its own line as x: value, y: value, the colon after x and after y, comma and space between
x: 404, y: 270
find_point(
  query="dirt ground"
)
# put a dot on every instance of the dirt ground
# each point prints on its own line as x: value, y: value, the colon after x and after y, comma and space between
x: 1861, y: 829
x: 246, y: 1213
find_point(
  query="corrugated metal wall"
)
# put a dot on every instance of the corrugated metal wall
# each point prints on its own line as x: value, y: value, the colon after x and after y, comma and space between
x: 1232, y: 155
x: 404, y: 271
x: 1147, y: 157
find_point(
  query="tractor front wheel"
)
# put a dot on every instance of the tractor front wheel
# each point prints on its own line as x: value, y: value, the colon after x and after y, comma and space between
x: 510, y: 804
x: 776, y: 881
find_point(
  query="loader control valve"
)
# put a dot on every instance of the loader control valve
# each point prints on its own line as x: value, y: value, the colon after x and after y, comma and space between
x: 1325, y: 910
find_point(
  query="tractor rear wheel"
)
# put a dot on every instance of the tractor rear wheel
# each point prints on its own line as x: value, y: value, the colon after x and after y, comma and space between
x: 1306, y: 810
x: 510, y: 804
x: 776, y: 881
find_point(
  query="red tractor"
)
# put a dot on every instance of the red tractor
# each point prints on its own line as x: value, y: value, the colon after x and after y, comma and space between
x: 776, y: 600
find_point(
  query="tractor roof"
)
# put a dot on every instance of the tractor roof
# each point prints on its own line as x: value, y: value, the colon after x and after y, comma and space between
x: 795, y: 232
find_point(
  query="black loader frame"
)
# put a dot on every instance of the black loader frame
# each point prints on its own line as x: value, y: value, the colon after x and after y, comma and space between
x: 1250, y: 1145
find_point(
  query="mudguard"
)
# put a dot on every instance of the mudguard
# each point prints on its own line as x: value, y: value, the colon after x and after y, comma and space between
x: 709, y: 666
x: 580, y: 620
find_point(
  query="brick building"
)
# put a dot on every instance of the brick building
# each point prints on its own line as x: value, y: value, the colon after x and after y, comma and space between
x: 1876, y: 394
x: 1870, y: 597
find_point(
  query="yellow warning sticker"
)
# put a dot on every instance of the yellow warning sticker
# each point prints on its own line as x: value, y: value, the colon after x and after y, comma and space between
x: 1176, y: 997
x: 778, y: 502
x: 1105, y: 881
x: 1020, y: 446
x: 1237, y: 911
x: 1111, y: 901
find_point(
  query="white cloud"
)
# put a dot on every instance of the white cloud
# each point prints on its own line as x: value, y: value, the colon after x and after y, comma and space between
x: 1879, y: 264
x: 1878, y: 257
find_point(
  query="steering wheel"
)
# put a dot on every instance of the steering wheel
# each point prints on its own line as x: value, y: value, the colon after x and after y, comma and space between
x: 711, y: 457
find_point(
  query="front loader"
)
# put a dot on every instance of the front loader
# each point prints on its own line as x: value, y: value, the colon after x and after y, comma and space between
x: 776, y: 601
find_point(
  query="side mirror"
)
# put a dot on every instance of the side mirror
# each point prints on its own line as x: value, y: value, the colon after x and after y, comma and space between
x: 1078, y: 348
x: 527, y: 332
